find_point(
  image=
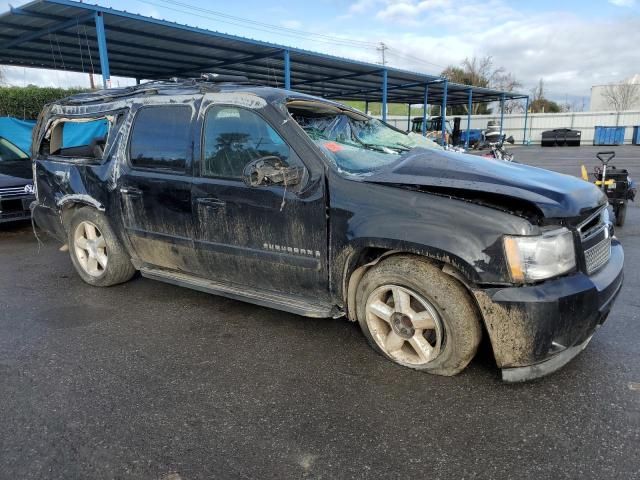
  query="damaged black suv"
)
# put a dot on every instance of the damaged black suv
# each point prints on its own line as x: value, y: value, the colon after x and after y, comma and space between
x: 306, y: 205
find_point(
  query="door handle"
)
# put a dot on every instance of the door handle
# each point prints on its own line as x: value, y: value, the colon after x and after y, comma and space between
x: 133, y: 191
x: 211, y: 202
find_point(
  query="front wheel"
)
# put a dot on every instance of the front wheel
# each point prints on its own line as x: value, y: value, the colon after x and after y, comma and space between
x: 417, y: 316
x: 96, y: 253
x: 621, y: 214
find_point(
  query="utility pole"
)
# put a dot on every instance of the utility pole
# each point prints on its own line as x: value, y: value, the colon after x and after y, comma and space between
x: 382, y: 49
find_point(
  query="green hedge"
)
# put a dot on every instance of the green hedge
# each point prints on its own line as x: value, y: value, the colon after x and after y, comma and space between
x: 26, y: 102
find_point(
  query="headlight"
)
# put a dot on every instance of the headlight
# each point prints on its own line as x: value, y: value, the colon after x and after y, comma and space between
x: 540, y: 257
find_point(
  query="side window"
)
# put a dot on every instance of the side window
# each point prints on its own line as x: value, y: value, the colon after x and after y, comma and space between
x: 161, y: 138
x: 81, y: 138
x: 235, y: 136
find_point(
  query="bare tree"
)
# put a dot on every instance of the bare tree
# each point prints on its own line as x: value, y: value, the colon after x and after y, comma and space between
x: 622, y: 96
x: 2, y: 75
x: 480, y: 72
x: 507, y: 82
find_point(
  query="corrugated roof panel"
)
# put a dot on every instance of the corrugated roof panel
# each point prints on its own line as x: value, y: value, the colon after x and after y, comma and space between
x: 43, y: 34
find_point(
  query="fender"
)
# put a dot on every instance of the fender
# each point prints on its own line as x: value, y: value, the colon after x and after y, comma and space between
x: 79, y: 198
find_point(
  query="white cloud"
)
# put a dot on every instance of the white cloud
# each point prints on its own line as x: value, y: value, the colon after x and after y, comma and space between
x: 623, y: 3
x: 570, y: 53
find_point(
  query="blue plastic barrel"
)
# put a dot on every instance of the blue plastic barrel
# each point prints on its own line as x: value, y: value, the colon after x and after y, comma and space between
x: 609, y: 136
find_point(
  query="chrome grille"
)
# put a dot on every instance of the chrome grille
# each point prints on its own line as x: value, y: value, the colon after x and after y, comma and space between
x: 9, y: 192
x: 596, y: 256
x: 596, y: 240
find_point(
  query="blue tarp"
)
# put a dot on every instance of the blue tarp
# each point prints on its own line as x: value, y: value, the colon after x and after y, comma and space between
x: 81, y: 133
x: 18, y: 132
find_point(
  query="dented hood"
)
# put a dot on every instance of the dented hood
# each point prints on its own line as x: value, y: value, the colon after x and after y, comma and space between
x: 554, y: 194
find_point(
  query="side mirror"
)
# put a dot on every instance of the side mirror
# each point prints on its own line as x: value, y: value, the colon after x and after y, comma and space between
x: 511, y: 140
x: 270, y: 170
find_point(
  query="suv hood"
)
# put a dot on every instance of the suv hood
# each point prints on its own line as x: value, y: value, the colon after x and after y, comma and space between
x: 15, y: 173
x: 554, y: 194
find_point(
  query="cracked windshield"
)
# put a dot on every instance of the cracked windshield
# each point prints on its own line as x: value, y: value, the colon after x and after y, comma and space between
x: 356, y: 143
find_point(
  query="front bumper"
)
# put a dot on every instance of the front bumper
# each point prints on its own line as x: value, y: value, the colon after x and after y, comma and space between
x: 15, y: 208
x: 535, y: 330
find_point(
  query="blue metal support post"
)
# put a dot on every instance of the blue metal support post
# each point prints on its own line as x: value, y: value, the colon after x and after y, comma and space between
x: 466, y: 142
x: 501, y: 114
x: 366, y: 107
x: 526, y: 117
x: 287, y: 70
x: 443, y: 113
x: 384, y: 95
x: 425, y: 107
x: 102, y: 49
x: 409, y: 118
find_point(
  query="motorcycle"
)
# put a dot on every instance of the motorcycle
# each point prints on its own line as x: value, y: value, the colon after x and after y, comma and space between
x: 497, y: 150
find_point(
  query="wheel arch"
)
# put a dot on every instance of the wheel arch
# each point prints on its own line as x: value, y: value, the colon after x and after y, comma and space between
x: 68, y: 204
x: 360, y: 259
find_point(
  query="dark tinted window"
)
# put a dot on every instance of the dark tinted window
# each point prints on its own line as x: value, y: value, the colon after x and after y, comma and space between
x: 235, y: 136
x: 161, y: 138
x: 10, y: 153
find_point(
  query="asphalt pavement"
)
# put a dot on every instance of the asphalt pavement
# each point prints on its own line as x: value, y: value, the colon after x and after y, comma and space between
x: 148, y: 380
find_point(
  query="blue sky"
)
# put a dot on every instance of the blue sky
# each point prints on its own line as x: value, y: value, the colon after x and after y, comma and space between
x: 571, y: 44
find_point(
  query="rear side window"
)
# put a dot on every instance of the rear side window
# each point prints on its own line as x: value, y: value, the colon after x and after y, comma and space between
x: 161, y: 138
x: 80, y: 138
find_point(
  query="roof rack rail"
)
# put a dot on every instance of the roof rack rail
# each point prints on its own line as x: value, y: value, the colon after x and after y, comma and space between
x: 217, y: 78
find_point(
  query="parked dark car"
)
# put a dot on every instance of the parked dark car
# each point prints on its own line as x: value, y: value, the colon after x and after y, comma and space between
x: 309, y: 206
x: 561, y: 137
x: 16, y: 183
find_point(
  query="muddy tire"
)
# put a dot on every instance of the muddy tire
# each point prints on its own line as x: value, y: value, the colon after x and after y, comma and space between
x: 96, y: 253
x: 417, y: 316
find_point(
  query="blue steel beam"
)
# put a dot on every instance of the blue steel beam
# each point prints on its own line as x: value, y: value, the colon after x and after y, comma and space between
x: 287, y: 70
x: 501, y: 114
x: 384, y: 94
x: 102, y: 49
x: 526, y: 116
x: 46, y: 31
x: 466, y: 142
x: 443, y: 116
x: 425, y: 105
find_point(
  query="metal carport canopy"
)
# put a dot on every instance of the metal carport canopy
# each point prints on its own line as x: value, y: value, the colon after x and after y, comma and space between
x: 79, y: 37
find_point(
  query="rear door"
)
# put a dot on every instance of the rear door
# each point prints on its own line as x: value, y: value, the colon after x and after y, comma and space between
x: 268, y: 237
x: 155, y: 186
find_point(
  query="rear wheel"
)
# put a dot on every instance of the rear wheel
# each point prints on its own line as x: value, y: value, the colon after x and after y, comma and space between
x: 417, y: 316
x: 96, y: 252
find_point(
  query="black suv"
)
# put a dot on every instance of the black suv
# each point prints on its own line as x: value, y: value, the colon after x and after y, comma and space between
x: 306, y: 205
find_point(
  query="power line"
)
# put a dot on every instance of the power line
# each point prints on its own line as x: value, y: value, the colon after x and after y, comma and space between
x: 187, y: 8
x: 413, y: 58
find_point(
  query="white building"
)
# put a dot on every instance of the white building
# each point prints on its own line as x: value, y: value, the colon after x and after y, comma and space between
x: 599, y: 103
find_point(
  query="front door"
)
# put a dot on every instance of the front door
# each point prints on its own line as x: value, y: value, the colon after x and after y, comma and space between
x: 155, y: 186
x: 267, y: 237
